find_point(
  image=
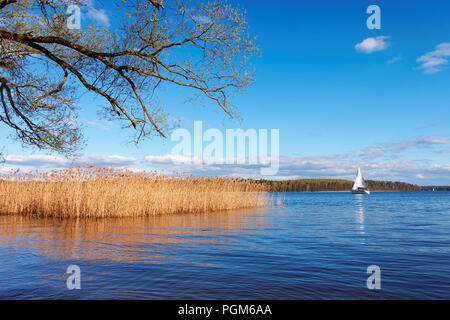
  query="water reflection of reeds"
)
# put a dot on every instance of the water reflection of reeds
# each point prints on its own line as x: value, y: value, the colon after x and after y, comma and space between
x: 140, y: 239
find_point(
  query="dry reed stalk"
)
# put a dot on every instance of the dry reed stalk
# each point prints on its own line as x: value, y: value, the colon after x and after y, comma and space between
x: 93, y: 192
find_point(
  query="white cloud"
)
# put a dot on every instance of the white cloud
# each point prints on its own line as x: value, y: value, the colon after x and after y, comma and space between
x: 202, y: 19
x: 168, y: 158
x: 422, y: 127
x: 371, y: 153
x: 434, y: 61
x: 394, y: 60
x: 370, y: 45
x: 435, y: 140
x: 46, y: 161
x: 394, y: 148
x: 102, y: 124
x: 99, y: 15
x: 378, y: 162
x: 114, y: 160
x: 338, y: 166
x: 36, y: 161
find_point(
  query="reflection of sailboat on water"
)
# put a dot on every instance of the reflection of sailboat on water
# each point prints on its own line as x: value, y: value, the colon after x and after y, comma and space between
x: 360, y: 204
x: 360, y: 186
x: 360, y: 219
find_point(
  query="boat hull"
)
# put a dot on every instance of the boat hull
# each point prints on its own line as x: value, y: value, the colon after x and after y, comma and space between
x: 360, y: 191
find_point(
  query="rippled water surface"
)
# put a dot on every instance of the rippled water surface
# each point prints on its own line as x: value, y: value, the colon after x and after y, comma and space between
x: 310, y: 246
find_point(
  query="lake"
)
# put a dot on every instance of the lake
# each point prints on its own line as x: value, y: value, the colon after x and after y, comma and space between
x: 308, y: 246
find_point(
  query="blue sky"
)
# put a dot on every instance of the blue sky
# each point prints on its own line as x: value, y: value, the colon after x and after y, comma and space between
x: 382, y: 105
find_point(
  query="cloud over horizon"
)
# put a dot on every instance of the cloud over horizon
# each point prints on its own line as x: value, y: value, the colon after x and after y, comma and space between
x: 336, y: 166
x: 54, y: 162
x: 379, y: 162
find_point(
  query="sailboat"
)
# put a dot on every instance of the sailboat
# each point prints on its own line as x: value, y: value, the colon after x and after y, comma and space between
x: 360, y: 186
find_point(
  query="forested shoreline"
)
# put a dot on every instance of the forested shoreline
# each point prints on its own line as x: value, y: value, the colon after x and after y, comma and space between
x: 336, y: 185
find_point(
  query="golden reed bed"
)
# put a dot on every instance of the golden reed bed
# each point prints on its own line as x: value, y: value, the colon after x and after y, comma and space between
x: 92, y: 192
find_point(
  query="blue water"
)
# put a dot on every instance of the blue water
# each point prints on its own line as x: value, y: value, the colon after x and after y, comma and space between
x: 309, y: 246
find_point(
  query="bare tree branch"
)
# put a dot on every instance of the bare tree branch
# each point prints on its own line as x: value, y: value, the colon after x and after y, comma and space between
x: 43, y: 64
x: 158, y: 4
x: 4, y: 3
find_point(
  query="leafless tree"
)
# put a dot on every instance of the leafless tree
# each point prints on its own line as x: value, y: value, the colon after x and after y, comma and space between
x: 45, y: 66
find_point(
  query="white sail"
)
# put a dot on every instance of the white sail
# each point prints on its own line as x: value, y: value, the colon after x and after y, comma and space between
x: 359, y: 182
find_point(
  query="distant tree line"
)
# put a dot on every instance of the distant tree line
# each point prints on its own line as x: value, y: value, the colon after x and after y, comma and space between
x: 318, y: 185
x: 436, y: 188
